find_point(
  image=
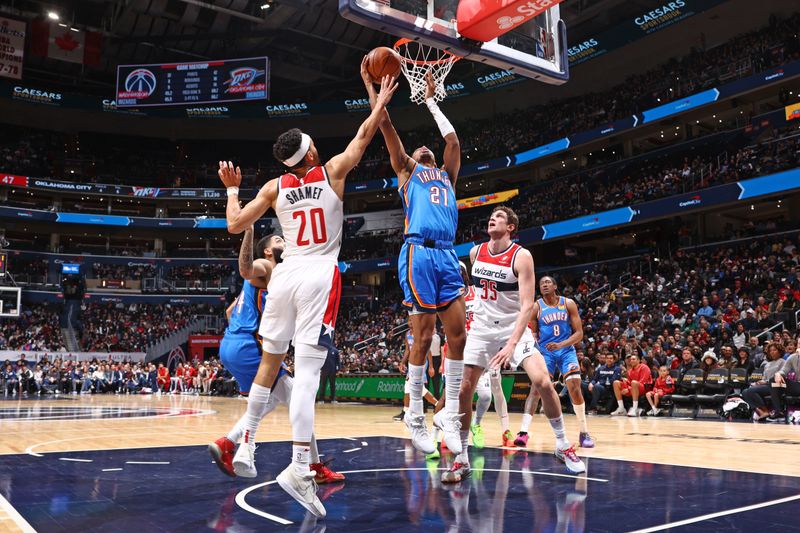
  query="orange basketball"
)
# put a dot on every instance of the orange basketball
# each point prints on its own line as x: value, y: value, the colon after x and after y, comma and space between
x: 383, y: 61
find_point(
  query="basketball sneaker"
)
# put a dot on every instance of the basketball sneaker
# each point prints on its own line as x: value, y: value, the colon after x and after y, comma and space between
x: 221, y: 451
x: 521, y: 440
x: 399, y: 416
x: 420, y: 436
x: 619, y: 412
x: 633, y: 412
x: 456, y: 473
x: 450, y: 424
x: 477, y: 436
x: 585, y: 440
x: 302, y: 488
x: 244, y: 462
x: 433, y: 456
x: 571, y: 460
x: 324, y: 475
x: 508, y: 438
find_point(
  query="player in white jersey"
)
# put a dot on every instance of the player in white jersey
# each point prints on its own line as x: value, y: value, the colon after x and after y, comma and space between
x: 304, y: 290
x: 504, y: 280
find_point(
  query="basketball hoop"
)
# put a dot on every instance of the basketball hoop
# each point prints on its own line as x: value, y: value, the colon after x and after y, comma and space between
x: 417, y: 60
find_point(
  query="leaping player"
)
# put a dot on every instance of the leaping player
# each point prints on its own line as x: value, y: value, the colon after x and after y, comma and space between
x: 240, y: 352
x: 557, y: 324
x: 428, y: 265
x: 505, y: 284
x: 303, y: 300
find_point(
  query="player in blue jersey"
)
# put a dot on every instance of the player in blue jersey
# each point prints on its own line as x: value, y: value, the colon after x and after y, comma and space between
x: 428, y: 266
x: 557, y: 324
x: 240, y: 352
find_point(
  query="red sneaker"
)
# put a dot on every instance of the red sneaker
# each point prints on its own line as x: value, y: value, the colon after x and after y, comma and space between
x: 222, y: 451
x: 325, y: 474
x: 508, y: 438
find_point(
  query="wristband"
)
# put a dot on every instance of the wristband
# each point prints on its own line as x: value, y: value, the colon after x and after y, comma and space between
x: 232, y: 190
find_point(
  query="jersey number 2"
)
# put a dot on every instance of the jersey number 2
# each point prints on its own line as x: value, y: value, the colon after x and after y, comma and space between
x: 318, y: 232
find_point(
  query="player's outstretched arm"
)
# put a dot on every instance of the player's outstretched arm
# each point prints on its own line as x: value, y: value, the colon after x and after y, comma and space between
x: 340, y: 165
x: 452, y: 147
x: 257, y: 271
x: 523, y: 264
x: 400, y: 160
x: 239, y: 218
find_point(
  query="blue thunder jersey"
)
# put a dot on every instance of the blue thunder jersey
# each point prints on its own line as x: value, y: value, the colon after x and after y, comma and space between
x: 554, y: 323
x: 246, y: 315
x: 429, y: 202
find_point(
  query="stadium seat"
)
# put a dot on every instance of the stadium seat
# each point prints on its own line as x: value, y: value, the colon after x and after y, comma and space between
x: 685, y: 400
x: 738, y: 379
x: 756, y: 376
x: 716, y: 388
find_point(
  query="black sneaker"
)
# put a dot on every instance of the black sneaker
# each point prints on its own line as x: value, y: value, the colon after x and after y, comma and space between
x: 399, y: 416
x: 776, y: 417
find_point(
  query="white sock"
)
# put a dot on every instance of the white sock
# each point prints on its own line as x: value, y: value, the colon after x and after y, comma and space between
x: 314, y: 450
x: 558, y: 428
x: 526, y: 422
x: 500, y: 405
x: 463, y: 457
x: 301, y: 456
x: 635, y: 405
x: 416, y: 378
x: 580, y: 414
x: 484, y: 400
x: 236, y: 431
x: 453, y: 376
x: 256, y: 407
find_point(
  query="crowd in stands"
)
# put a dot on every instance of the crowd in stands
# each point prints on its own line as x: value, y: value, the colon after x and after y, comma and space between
x: 36, y: 329
x: 98, y: 158
x: 216, y: 272
x: 119, y: 272
x: 61, y: 375
x: 118, y: 327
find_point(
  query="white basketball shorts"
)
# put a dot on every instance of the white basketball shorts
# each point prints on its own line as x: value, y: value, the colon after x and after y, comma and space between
x: 480, y: 348
x: 302, y: 302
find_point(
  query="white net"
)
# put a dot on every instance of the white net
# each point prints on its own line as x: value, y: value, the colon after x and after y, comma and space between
x: 418, y: 60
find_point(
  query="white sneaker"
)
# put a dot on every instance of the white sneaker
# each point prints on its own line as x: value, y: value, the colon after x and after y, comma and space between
x: 302, y: 488
x: 619, y: 412
x: 420, y: 437
x: 570, y: 460
x: 651, y: 412
x: 656, y: 411
x: 244, y: 461
x: 450, y: 424
x: 633, y: 412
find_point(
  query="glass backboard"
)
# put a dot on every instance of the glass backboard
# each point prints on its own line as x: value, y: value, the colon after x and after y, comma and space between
x: 10, y: 301
x: 536, y: 49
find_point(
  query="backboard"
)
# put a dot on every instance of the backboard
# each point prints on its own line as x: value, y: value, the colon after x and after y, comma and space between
x: 536, y: 49
x: 10, y: 301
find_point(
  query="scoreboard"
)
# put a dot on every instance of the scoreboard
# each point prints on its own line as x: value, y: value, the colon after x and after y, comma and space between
x: 207, y: 82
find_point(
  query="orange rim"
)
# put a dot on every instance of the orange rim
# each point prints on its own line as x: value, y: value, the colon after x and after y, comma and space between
x: 448, y: 58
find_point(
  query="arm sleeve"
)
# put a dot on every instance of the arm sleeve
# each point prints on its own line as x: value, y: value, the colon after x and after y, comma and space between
x: 445, y: 127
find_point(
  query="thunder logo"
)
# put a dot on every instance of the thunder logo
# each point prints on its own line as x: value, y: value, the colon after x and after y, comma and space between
x: 243, y: 79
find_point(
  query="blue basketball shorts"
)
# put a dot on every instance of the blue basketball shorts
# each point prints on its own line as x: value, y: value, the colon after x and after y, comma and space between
x: 565, y: 360
x: 430, y: 277
x: 241, y: 355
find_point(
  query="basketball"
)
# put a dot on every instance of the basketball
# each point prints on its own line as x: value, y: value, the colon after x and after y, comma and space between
x: 383, y: 61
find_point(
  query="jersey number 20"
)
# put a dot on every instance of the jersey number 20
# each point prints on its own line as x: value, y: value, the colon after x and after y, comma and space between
x: 318, y: 232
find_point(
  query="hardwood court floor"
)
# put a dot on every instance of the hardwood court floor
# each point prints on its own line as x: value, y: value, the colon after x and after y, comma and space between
x: 108, y: 422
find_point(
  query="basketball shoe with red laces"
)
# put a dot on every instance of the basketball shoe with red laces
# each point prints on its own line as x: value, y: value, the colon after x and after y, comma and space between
x: 323, y: 474
x: 221, y: 451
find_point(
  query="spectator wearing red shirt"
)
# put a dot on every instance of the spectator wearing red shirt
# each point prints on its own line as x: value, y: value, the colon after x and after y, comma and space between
x: 638, y: 381
x: 664, y: 385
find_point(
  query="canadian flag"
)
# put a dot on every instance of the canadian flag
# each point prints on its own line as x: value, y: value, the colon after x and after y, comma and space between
x: 50, y: 39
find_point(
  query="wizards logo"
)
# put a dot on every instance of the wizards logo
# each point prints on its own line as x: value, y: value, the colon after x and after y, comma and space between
x: 243, y: 80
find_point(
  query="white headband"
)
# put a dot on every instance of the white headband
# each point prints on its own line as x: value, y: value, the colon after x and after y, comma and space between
x: 301, y: 152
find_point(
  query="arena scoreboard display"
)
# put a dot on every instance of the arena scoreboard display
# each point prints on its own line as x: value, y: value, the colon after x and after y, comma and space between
x: 206, y: 82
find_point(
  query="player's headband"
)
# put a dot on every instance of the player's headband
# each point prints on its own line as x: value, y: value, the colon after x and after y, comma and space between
x: 301, y: 152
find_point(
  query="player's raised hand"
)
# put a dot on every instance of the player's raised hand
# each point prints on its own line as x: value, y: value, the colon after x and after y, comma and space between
x: 368, y: 81
x: 230, y: 177
x: 501, y: 358
x: 430, y: 85
x: 388, y: 87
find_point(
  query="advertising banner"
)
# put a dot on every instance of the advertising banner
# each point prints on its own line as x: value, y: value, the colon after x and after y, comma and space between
x: 388, y: 387
x: 487, y: 199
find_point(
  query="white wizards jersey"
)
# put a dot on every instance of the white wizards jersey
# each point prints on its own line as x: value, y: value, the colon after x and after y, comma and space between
x: 310, y: 214
x: 497, y: 303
